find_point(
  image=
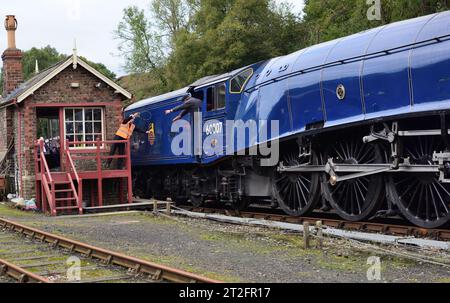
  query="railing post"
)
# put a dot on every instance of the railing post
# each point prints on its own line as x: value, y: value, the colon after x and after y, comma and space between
x: 99, y: 175
x: 65, y: 148
x: 53, y: 198
x: 128, y: 166
x: 80, y: 196
x: 41, y: 170
x: 36, y: 173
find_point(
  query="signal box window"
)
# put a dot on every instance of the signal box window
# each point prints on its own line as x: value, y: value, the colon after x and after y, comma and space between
x: 83, y: 124
x: 216, y: 97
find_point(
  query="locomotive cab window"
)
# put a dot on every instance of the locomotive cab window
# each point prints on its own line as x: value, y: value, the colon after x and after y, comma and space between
x: 237, y: 84
x: 216, y: 97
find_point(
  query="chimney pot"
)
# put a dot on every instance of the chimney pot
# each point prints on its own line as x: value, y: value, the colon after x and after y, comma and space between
x: 12, y: 59
x: 11, y: 22
x: 11, y: 27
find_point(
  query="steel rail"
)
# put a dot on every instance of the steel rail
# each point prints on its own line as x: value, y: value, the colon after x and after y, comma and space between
x: 155, y: 271
x: 391, y: 229
x: 20, y: 274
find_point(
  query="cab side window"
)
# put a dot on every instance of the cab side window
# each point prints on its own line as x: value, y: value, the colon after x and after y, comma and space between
x: 238, y: 82
x: 216, y: 97
x: 221, y: 97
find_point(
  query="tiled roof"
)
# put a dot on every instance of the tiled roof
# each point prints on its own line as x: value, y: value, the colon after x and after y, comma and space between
x: 31, y: 82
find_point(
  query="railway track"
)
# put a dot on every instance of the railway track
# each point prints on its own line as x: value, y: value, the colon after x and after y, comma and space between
x: 28, y: 255
x: 373, y: 227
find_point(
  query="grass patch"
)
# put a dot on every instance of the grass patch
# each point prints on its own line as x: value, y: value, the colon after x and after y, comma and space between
x: 336, y: 263
x: 7, y: 211
x: 180, y: 263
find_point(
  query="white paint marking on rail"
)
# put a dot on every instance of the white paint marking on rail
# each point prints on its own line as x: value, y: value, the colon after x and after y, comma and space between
x: 355, y: 235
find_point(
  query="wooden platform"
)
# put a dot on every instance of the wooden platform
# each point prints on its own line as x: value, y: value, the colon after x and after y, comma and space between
x: 138, y: 204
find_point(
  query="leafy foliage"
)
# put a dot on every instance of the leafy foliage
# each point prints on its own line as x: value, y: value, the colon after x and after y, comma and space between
x: 46, y: 57
x: 331, y: 19
x: 191, y: 39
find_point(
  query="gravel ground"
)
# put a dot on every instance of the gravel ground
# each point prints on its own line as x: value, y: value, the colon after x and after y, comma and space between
x: 229, y: 252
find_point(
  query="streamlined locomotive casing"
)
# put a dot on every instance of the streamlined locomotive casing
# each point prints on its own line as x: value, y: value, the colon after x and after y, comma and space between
x: 399, y: 69
x: 328, y: 100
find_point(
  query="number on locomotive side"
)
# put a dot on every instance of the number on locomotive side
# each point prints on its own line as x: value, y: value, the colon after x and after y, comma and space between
x: 214, y: 128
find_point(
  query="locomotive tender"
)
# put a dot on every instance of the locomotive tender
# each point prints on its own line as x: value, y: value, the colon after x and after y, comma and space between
x: 362, y: 129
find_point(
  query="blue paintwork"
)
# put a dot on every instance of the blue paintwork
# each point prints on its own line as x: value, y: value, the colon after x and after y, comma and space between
x: 387, y: 71
x: 160, y: 152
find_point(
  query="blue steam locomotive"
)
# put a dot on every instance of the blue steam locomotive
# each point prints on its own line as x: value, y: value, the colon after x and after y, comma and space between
x: 361, y: 130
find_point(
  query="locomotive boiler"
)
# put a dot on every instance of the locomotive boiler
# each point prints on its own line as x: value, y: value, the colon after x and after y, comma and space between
x: 361, y: 130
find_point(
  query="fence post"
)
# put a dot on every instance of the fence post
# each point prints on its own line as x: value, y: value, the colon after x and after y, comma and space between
x: 155, y: 206
x: 169, y: 208
x: 319, y: 234
x: 306, y: 234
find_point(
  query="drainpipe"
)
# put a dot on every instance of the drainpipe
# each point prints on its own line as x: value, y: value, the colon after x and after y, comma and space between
x: 19, y: 152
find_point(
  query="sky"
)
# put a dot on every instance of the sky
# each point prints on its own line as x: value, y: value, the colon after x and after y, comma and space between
x: 60, y: 22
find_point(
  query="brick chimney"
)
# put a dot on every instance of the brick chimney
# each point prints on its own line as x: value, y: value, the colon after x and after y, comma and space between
x: 12, y: 59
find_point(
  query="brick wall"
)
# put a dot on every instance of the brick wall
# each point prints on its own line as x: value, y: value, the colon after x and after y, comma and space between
x: 12, y: 70
x: 59, y: 90
x: 6, y: 127
x: 3, y: 129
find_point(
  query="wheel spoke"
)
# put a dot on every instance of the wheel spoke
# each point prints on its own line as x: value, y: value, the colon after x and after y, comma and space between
x: 339, y: 154
x: 362, y: 184
x: 411, y: 200
x: 356, y: 196
x: 440, y: 197
x: 419, y: 206
x: 434, y: 202
x: 411, y: 186
x: 300, y: 190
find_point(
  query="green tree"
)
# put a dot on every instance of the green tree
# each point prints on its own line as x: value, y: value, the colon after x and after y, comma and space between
x: 140, y: 45
x: 46, y: 57
x: 228, y: 34
x: 100, y: 67
x: 330, y: 19
x: 171, y: 16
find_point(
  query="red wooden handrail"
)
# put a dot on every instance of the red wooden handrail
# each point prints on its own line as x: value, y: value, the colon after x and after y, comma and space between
x: 95, y: 142
x: 72, y: 169
x: 45, y: 173
x: 97, y: 150
x: 46, y: 170
x: 71, y: 164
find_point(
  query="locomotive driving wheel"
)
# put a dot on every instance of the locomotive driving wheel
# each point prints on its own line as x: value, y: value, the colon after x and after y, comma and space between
x: 359, y: 198
x: 297, y: 193
x: 420, y: 197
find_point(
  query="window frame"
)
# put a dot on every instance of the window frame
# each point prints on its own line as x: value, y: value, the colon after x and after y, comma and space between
x: 74, y: 121
x: 244, y: 84
x: 215, y: 95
